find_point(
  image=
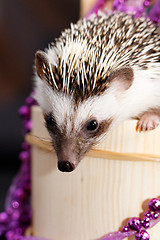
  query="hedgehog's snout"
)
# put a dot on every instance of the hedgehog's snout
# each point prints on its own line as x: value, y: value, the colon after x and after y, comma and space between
x: 65, y: 166
x: 66, y: 155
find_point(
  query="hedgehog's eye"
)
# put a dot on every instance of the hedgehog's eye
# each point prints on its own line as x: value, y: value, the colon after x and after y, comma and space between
x: 50, y: 120
x: 92, y: 125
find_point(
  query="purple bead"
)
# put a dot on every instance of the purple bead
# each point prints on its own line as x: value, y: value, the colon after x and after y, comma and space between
x: 134, y: 223
x: 155, y: 215
x: 25, y: 146
x: 141, y: 9
x: 16, y: 215
x: 9, y: 210
x: 142, y: 235
x: 155, y: 19
x: 125, y: 229
x: 24, y: 111
x: 30, y: 101
x: 27, y: 186
x: 148, y: 214
x: 28, y: 125
x: 146, y: 3
x: 10, y: 235
x: 3, y: 217
x: 14, y: 234
x: 154, y: 205
x: 20, y: 194
x: 15, y: 204
x: 18, y: 237
x: 19, y: 231
x: 13, y: 225
x: 146, y: 222
x: 24, y: 156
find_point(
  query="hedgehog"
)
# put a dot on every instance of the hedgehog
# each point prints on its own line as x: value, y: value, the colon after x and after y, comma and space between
x: 101, y: 71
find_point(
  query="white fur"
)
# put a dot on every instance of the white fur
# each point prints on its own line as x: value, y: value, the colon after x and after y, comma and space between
x: 62, y: 107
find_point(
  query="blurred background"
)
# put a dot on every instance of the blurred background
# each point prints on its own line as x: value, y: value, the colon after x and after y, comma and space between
x: 25, y: 27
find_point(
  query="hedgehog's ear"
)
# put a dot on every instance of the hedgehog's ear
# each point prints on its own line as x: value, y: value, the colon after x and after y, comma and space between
x: 42, y: 66
x: 122, y: 78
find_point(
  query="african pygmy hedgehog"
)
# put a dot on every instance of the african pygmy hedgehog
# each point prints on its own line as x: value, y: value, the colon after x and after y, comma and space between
x: 99, y: 72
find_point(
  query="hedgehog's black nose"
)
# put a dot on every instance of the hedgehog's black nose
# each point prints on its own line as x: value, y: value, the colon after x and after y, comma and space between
x: 65, y: 166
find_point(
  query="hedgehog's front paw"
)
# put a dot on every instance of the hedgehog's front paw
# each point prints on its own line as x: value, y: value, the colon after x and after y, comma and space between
x: 147, y: 122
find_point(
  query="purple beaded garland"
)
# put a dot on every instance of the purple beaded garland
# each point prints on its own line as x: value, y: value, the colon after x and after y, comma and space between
x: 17, y: 215
x: 136, y: 7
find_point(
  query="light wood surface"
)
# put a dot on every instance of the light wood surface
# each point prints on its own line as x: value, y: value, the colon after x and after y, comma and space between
x: 100, y: 194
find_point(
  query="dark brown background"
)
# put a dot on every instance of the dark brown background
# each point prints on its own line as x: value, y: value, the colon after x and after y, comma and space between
x: 25, y: 26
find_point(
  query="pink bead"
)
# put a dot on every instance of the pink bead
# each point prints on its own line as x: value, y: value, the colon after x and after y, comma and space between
x: 125, y: 229
x: 142, y: 235
x: 16, y: 215
x: 134, y: 223
x: 146, y: 222
x: 13, y: 224
x: 154, y: 204
x: 155, y: 215
x: 10, y: 235
x: 146, y: 3
x: 3, y: 217
x: 24, y: 156
x: 28, y: 125
x: 30, y: 101
x: 24, y: 111
x: 9, y: 210
x: 15, y: 204
x: 19, y: 194
x: 25, y: 146
x: 148, y: 214
x: 19, y: 231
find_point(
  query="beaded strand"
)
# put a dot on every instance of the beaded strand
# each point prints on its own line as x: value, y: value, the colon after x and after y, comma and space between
x: 139, y: 225
x: 17, y: 215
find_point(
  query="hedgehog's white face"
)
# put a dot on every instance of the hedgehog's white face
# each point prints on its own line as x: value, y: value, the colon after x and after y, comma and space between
x: 75, y: 126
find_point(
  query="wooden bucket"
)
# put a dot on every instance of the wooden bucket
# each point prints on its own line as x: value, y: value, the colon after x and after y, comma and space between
x: 109, y: 185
